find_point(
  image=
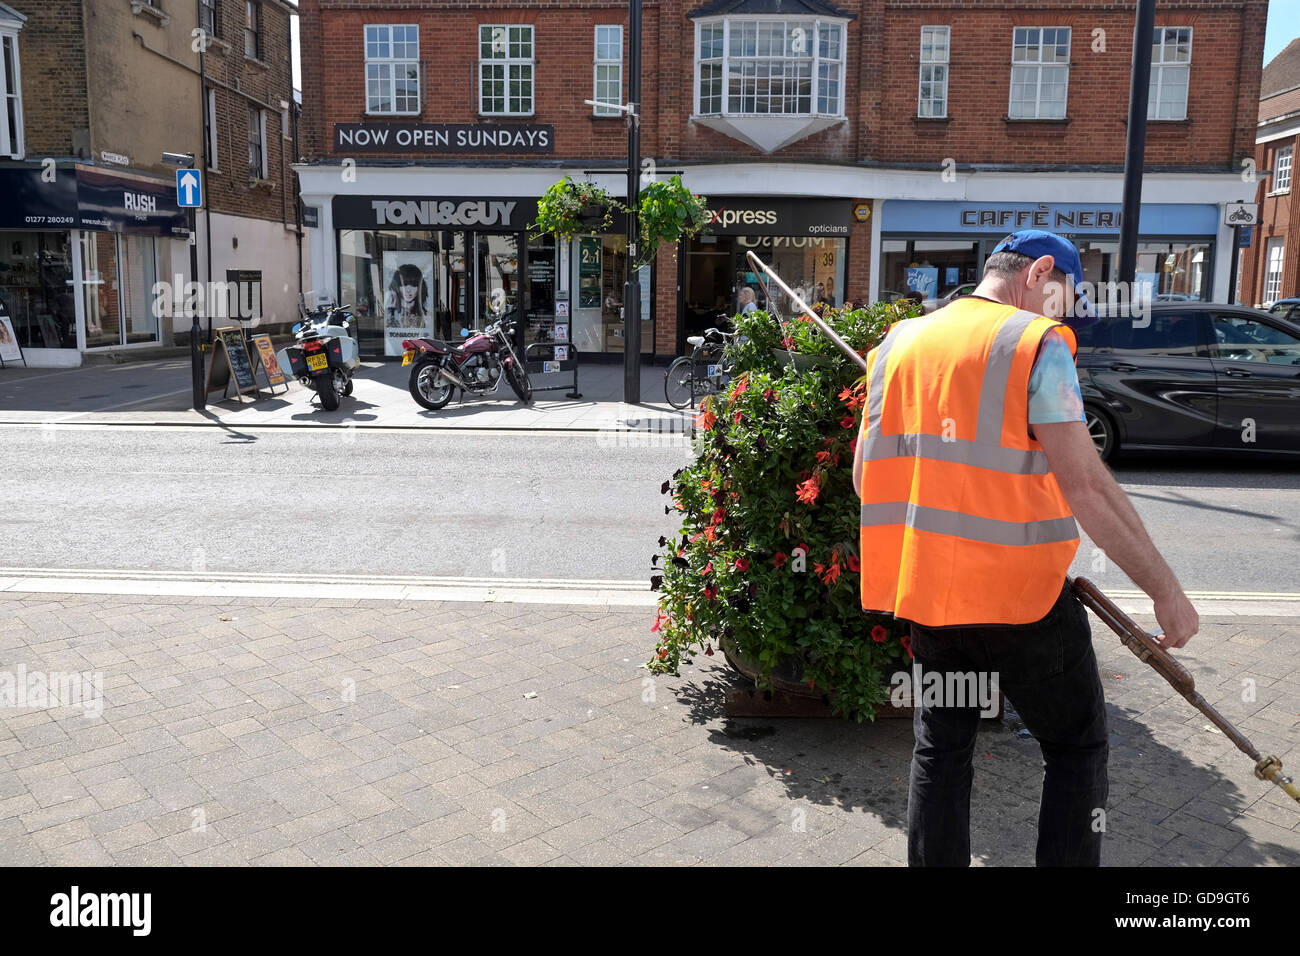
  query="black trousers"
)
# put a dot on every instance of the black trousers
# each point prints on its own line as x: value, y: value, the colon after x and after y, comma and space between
x: 1049, y: 673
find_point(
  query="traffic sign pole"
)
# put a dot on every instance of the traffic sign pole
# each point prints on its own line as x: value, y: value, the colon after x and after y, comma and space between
x: 189, y: 196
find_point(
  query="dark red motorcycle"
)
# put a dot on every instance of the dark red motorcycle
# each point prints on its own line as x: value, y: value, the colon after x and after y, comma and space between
x: 475, y: 367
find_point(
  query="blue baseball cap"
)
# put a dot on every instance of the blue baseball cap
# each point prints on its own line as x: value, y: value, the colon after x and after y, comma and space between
x: 1035, y: 243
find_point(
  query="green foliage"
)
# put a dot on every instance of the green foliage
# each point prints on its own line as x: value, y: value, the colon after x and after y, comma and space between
x: 773, y: 472
x: 565, y: 206
x: 669, y: 212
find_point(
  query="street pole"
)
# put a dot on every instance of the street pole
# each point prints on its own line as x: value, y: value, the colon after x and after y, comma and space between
x: 1232, y: 268
x: 1138, y: 92
x: 632, y: 287
x: 196, y: 353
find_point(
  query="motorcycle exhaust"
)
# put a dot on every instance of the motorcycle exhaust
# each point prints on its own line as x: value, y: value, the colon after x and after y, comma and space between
x: 453, y: 378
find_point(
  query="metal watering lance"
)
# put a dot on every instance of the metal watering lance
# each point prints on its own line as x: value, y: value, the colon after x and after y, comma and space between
x: 1138, y: 640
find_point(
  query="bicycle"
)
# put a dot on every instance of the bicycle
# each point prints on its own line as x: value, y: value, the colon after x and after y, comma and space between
x: 701, y: 373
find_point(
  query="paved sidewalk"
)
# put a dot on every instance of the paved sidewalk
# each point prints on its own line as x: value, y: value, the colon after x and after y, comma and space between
x: 160, y: 393
x: 290, y: 731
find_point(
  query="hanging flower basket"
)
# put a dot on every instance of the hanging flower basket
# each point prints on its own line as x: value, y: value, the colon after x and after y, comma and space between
x: 569, y: 208
x: 669, y: 212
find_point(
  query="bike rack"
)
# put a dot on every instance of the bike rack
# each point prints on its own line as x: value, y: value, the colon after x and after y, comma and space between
x: 548, y: 366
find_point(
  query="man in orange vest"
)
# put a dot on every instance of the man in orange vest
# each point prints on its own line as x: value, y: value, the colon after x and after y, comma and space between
x: 972, y: 464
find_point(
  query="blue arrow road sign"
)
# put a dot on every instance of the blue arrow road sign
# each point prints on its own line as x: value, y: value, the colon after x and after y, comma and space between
x: 189, y: 188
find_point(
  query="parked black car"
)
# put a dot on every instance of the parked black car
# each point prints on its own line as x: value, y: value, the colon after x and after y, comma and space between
x: 1198, y: 376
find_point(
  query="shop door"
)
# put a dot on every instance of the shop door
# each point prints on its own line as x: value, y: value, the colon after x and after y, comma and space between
x: 710, y: 291
x: 496, y: 264
x: 118, y: 275
x: 456, y: 307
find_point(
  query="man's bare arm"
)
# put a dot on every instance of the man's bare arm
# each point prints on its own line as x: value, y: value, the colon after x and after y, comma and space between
x: 1110, y: 520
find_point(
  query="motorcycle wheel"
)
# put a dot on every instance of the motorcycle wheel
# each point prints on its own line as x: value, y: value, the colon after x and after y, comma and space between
x: 329, y: 398
x: 427, y: 387
x: 518, y: 379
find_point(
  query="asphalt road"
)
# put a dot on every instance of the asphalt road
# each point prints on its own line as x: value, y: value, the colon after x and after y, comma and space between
x: 535, y: 506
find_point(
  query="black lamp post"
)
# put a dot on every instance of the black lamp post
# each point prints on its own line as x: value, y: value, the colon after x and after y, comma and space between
x: 632, y: 287
x: 1139, y: 90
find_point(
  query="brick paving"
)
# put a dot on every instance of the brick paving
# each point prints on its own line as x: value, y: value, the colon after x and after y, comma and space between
x: 288, y: 731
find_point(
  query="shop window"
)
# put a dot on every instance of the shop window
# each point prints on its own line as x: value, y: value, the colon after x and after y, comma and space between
x: 505, y: 70
x: 1282, y: 169
x: 11, y: 116
x: 118, y: 275
x: 393, y: 69
x: 929, y: 269
x: 760, y: 67
x: 36, y: 288
x: 1175, y: 271
x: 932, y: 94
x: 253, y: 29
x: 1040, y: 72
x: 608, y: 70
x: 1171, y: 67
x: 812, y: 266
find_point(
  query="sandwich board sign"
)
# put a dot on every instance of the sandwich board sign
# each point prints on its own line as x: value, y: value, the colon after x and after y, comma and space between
x: 230, y: 362
x: 270, y: 365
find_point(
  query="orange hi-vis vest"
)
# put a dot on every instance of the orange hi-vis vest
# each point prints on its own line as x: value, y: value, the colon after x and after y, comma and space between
x: 962, y: 521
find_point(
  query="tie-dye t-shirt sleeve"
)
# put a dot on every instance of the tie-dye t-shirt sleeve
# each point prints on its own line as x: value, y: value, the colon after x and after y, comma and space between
x: 1054, y: 384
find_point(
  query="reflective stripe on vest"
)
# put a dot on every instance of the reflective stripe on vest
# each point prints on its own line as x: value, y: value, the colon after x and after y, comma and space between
x: 958, y: 525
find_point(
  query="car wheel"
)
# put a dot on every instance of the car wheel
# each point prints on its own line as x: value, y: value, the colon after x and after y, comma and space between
x: 1102, y: 431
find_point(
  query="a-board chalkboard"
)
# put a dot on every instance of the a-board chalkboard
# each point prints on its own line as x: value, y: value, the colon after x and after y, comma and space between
x: 230, y: 355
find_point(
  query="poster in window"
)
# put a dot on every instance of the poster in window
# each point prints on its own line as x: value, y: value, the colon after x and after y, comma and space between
x: 408, y: 297
x: 923, y: 279
x: 9, y: 350
x: 589, y: 256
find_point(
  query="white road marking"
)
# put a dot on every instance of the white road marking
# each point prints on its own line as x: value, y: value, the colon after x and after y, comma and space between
x: 609, y: 593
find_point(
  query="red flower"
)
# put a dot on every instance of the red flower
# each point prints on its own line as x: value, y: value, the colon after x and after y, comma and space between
x: 769, y: 394
x: 710, y: 593
x: 706, y: 420
x: 848, y: 421
x: 804, y: 548
x: 853, y: 564
x: 832, y: 574
x: 907, y: 646
x: 740, y: 387
x: 708, y: 650
x: 879, y: 634
x: 737, y: 417
x: 663, y: 652
x: 779, y: 559
x: 823, y: 456
x: 742, y: 564
x: 707, y: 568
x: 719, y: 515
x: 807, y: 491
x: 787, y: 343
x: 660, y: 618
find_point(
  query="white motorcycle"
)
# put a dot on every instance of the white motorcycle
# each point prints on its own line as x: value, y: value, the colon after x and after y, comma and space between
x: 325, y: 355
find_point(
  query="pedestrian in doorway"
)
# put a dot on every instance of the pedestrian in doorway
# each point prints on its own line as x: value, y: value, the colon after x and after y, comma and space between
x: 747, y: 301
x: 972, y: 464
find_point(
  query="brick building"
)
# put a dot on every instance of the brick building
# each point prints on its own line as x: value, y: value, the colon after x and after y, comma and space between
x: 868, y: 147
x: 1270, y: 265
x: 95, y: 91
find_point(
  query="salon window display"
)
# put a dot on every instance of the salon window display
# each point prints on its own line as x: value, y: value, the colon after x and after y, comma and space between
x: 408, y: 296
